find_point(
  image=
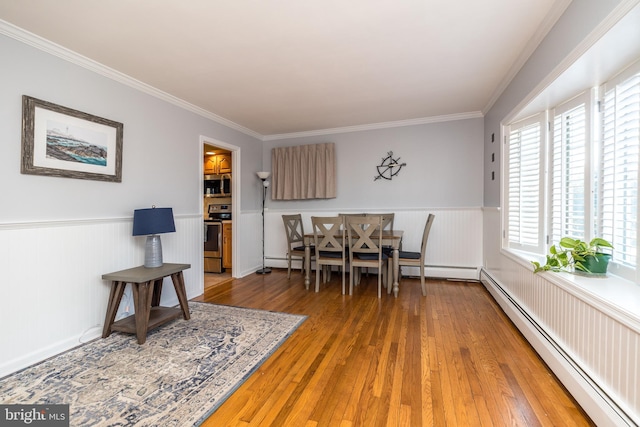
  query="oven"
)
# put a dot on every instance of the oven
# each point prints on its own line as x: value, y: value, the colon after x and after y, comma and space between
x: 213, y: 237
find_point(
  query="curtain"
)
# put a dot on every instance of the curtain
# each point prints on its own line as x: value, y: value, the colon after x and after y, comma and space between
x: 304, y: 172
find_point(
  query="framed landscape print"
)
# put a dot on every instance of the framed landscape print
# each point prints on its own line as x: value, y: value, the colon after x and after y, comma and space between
x: 60, y: 141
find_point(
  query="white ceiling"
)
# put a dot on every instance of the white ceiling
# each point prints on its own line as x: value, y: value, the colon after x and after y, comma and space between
x: 294, y: 66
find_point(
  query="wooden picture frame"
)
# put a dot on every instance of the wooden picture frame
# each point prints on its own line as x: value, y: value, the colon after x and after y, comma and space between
x: 62, y: 142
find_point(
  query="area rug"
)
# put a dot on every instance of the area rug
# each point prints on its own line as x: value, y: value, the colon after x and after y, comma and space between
x: 183, y: 373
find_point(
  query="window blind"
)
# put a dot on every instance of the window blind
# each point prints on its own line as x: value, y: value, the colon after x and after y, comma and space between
x: 568, y: 176
x: 619, y: 158
x: 524, y: 184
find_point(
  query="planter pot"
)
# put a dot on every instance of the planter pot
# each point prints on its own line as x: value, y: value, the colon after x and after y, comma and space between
x: 595, y: 265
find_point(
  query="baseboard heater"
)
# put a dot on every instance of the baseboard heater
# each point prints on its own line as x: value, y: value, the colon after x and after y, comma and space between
x: 488, y: 282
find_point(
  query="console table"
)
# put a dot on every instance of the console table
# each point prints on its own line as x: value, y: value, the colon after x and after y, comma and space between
x: 146, y: 284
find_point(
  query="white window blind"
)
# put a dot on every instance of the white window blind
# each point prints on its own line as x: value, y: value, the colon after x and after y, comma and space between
x: 593, y: 173
x: 524, y: 156
x: 619, y: 155
x: 569, y: 167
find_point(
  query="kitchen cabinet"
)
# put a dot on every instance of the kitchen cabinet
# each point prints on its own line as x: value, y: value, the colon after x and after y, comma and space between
x: 226, y: 243
x: 217, y: 164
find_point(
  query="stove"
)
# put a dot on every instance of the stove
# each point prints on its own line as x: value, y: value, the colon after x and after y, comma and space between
x: 213, y: 237
x: 219, y: 212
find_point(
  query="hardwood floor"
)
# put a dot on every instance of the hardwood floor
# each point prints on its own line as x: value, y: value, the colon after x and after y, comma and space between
x: 215, y: 279
x: 449, y: 359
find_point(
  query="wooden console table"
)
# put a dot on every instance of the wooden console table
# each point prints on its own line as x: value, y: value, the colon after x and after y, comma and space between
x: 146, y: 284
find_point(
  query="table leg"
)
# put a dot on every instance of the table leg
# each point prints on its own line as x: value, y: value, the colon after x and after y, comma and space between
x: 115, y: 295
x: 157, y: 292
x: 307, y: 264
x: 396, y: 271
x: 178, y: 284
x: 142, y: 296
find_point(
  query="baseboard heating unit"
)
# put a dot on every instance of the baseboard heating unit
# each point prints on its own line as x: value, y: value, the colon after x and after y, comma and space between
x: 604, y: 407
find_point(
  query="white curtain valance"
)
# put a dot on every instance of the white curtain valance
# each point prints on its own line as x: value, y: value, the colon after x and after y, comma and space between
x: 303, y: 172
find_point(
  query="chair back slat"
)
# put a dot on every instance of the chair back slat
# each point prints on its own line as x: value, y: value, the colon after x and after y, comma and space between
x: 328, y: 234
x: 361, y: 231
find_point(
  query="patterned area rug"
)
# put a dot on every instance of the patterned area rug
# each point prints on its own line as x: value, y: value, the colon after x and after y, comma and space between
x: 183, y: 373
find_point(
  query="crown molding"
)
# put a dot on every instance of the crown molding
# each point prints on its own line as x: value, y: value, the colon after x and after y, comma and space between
x: 583, y: 47
x: 547, y: 24
x: 373, y: 126
x: 68, y: 55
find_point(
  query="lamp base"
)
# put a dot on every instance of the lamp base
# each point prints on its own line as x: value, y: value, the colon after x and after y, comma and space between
x: 153, y: 252
x: 265, y: 270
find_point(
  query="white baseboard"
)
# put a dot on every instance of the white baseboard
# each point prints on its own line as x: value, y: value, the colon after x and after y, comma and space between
x: 45, y: 353
x: 437, y: 272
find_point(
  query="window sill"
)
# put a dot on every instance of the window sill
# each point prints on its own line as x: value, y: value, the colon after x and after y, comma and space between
x: 619, y: 297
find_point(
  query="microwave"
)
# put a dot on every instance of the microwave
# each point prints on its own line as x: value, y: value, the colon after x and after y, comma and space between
x: 217, y: 185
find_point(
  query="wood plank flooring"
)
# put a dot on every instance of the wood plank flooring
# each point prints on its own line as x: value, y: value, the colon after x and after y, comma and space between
x: 451, y: 358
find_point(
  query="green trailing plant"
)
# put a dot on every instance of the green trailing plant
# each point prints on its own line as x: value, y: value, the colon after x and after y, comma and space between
x: 576, y: 255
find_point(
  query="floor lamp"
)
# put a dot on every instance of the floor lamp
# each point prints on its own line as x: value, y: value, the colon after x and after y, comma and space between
x: 265, y: 184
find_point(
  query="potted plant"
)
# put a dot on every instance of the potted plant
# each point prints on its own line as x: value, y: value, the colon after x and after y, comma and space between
x: 577, y: 256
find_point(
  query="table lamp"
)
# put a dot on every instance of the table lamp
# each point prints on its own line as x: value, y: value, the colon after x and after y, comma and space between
x: 150, y: 223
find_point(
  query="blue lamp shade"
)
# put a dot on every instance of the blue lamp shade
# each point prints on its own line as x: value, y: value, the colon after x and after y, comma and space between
x: 150, y: 223
x: 153, y: 221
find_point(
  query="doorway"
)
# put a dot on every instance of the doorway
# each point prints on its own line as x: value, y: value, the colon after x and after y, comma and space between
x: 220, y: 196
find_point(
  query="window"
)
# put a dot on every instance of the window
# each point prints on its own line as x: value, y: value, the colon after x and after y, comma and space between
x: 590, y: 184
x: 569, y: 183
x: 619, y: 156
x: 524, y: 183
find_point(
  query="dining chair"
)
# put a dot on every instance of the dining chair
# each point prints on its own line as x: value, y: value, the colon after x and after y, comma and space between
x: 387, y: 218
x: 344, y: 217
x: 295, y: 240
x: 329, y: 242
x: 365, y: 247
x: 387, y: 221
x: 416, y: 259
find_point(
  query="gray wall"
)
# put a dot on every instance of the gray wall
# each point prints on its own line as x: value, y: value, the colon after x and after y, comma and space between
x: 161, y: 149
x: 578, y: 21
x: 443, y: 167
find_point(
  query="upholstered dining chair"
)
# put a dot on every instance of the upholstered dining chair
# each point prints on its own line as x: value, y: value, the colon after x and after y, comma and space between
x: 295, y: 240
x: 416, y: 259
x: 329, y: 242
x: 387, y: 225
x: 365, y: 247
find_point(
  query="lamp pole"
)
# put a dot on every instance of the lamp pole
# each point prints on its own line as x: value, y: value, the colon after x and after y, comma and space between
x: 263, y: 176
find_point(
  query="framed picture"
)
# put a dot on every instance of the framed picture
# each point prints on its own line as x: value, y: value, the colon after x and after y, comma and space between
x: 60, y: 141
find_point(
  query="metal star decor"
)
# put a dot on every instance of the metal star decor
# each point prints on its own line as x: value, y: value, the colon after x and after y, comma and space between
x: 389, y: 167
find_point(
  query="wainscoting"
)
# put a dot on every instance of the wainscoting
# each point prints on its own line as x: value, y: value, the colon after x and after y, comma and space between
x: 592, y: 346
x: 454, y: 249
x: 53, y: 296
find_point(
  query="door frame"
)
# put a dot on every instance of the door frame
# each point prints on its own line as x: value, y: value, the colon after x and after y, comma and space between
x: 235, y: 192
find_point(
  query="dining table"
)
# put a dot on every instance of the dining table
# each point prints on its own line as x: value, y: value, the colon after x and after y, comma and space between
x: 391, y: 238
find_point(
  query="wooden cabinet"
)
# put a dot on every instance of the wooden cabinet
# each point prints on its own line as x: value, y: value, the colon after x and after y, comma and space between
x: 217, y: 164
x: 209, y: 165
x: 224, y: 163
x: 226, y: 244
